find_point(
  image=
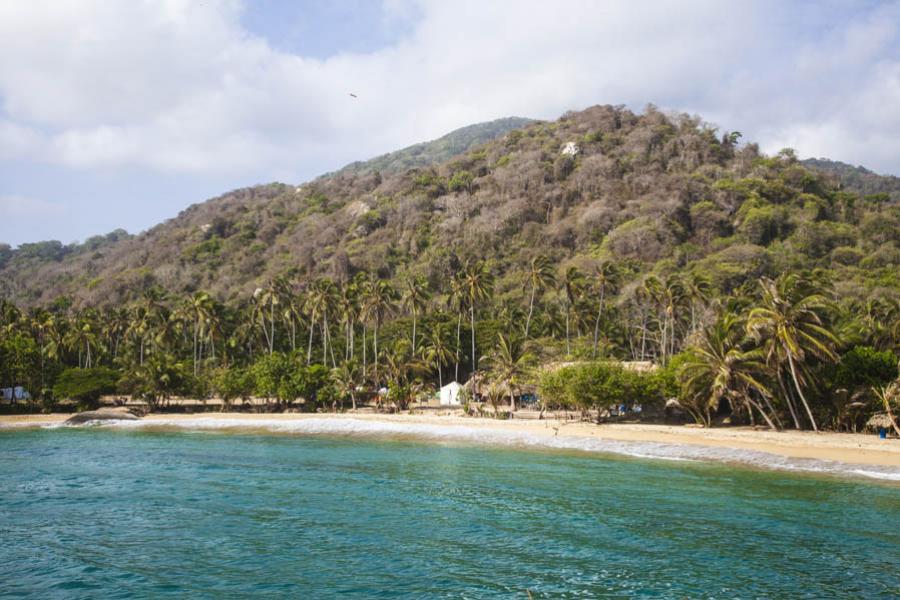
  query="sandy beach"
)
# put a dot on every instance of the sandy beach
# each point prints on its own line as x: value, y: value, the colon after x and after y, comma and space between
x: 852, y: 449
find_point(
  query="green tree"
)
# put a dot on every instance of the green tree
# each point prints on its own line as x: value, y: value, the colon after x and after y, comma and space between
x: 85, y: 386
x: 477, y: 283
x: 792, y: 324
x: 573, y: 284
x: 606, y: 275
x: 438, y: 352
x: 509, y: 362
x: 539, y: 277
x: 415, y: 298
x: 720, y: 368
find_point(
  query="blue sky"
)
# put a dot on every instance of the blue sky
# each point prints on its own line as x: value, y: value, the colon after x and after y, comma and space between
x: 122, y: 113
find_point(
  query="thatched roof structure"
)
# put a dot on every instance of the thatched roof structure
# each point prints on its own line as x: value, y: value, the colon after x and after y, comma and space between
x: 879, y: 421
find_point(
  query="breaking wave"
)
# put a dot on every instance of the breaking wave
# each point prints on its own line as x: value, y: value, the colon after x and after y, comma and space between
x: 496, y: 436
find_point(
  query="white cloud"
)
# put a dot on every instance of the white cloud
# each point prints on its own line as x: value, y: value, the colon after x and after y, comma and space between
x: 22, y: 206
x: 179, y: 86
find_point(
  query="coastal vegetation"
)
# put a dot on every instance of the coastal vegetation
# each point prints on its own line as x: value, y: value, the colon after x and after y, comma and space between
x: 758, y: 289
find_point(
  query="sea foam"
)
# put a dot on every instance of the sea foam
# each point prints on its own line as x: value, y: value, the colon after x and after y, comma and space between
x: 501, y: 437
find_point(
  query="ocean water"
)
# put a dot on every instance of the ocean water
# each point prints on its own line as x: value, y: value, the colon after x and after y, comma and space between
x: 141, y: 513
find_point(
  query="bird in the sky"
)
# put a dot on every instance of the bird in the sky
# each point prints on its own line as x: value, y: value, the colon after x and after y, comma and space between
x: 352, y: 95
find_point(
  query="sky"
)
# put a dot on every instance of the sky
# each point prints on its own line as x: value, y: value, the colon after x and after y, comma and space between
x: 121, y: 113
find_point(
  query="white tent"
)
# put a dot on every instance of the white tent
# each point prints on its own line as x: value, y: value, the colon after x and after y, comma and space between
x: 450, y: 394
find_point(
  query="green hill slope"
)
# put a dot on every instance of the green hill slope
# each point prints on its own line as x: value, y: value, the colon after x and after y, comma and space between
x: 436, y: 151
x: 652, y: 192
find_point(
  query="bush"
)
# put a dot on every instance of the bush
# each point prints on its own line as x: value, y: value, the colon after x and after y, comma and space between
x: 85, y: 385
x: 865, y: 366
x: 281, y: 376
x: 232, y: 383
x: 461, y: 181
x: 598, y: 385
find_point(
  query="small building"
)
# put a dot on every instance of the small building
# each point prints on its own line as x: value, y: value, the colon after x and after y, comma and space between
x: 450, y: 394
x: 570, y: 149
x: 14, y: 394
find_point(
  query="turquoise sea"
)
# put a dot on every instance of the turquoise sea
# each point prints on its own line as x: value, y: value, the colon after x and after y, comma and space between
x: 108, y: 513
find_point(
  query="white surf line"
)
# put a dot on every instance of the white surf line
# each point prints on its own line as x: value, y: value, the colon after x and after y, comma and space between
x: 487, y: 435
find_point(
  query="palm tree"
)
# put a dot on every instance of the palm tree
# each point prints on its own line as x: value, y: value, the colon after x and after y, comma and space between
x: 146, y: 314
x: 116, y: 322
x: 321, y: 298
x: 697, y: 290
x: 82, y: 336
x: 348, y: 313
x: 456, y: 300
x: 890, y: 395
x: 477, y: 285
x: 437, y: 352
x: 345, y: 381
x: 720, y: 368
x: 415, y: 297
x: 266, y: 299
x: 605, y: 277
x: 361, y: 283
x: 400, y: 368
x: 573, y: 287
x: 292, y: 312
x: 540, y: 277
x: 791, y: 324
x: 509, y: 361
x: 669, y: 296
x: 198, y: 309
x: 379, y: 303
x: 43, y: 327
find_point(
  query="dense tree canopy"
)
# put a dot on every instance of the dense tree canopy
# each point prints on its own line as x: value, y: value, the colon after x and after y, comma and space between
x: 603, y: 235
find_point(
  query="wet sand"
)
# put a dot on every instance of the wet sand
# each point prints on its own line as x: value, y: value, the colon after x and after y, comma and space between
x: 858, y: 449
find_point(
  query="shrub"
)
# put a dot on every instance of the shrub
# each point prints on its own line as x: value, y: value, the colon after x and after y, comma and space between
x: 461, y: 181
x: 865, y: 366
x: 85, y: 385
x: 232, y: 383
x: 598, y: 385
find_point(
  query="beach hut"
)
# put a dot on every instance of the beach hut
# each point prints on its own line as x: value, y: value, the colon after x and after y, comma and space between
x: 878, y: 422
x: 450, y: 394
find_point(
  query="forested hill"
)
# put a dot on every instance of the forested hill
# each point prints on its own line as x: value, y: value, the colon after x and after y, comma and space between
x: 857, y: 179
x: 436, y: 151
x: 650, y: 192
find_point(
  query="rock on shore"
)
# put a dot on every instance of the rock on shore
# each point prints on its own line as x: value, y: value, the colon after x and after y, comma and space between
x: 104, y: 414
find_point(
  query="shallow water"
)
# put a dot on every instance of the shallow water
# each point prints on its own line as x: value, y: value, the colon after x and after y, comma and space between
x: 128, y: 513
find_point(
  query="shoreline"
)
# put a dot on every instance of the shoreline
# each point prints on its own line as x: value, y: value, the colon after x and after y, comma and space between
x: 850, y: 453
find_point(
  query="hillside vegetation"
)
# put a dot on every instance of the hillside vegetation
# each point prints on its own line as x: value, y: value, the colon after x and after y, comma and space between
x: 604, y: 234
x: 856, y: 179
x: 436, y: 151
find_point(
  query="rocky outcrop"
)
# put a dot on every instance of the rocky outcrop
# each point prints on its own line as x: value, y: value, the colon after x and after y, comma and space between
x: 104, y: 414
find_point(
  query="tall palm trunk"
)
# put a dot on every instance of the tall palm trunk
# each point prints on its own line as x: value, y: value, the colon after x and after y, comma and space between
x: 787, y: 398
x: 754, y: 404
x: 324, y: 344
x: 800, y: 392
x: 272, y: 326
x: 195, y: 349
x: 530, y: 311
x: 330, y: 345
x: 309, y: 345
x: 474, y: 361
x: 375, y: 338
x: 458, y: 342
x: 293, y: 335
x: 597, y: 322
